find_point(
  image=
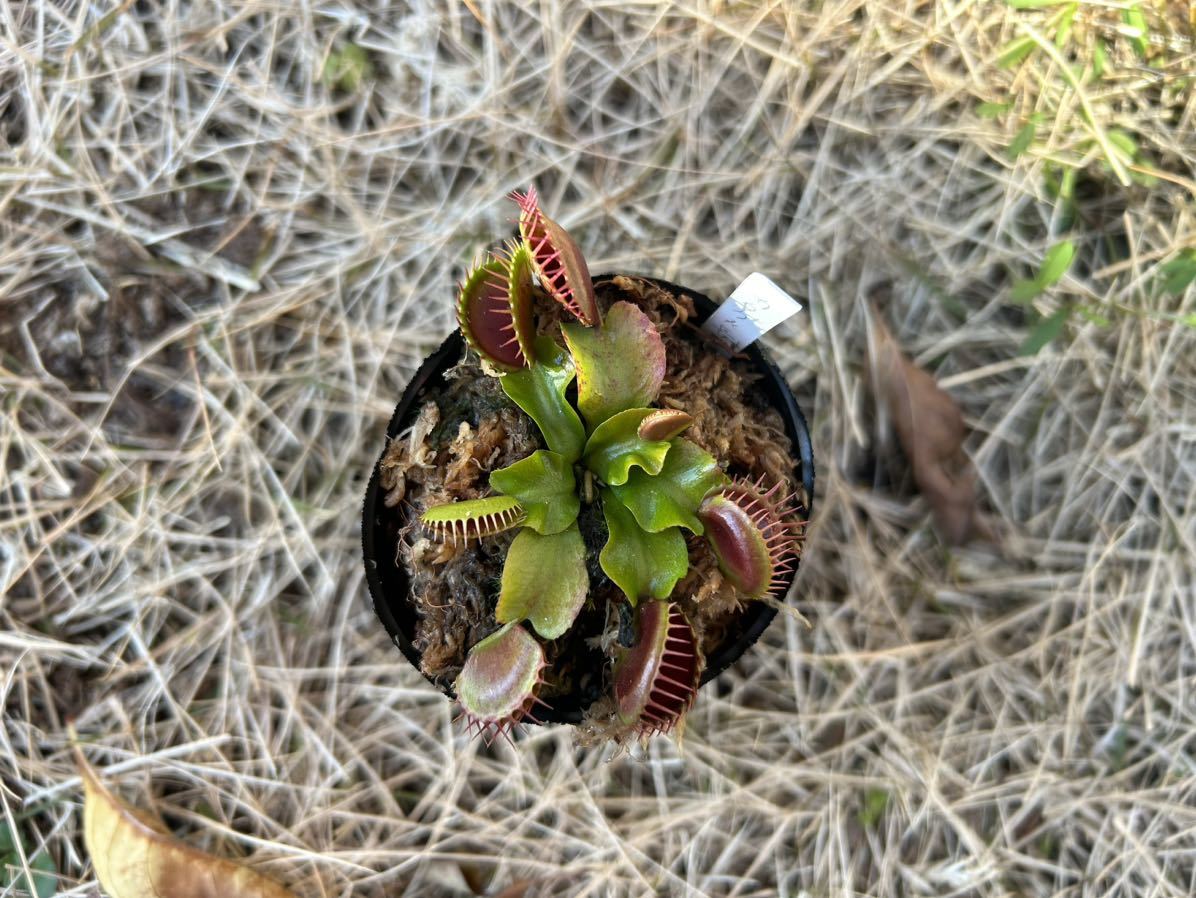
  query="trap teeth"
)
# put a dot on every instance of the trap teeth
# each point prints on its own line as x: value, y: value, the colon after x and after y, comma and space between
x: 497, y: 686
x: 556, y: 259
x: 656, y: 680
x: 749, y: 529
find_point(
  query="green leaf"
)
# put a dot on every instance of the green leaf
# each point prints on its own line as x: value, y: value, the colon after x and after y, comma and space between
x: 1022, y: 140
x: 45, y: 875
x: 1189, y: 320
x: 1063, y: 32
x: 1046, y: 331
x: 346, y: 67
x: 672, y: 497
x: 1024, y: 292
x: 1015, y: 51
x: 1067, y: 184
x: 620, y: 365
x: 1093, y: 316
x: 643, y: 565
x: 544, y: 580
x: 543, y: 484
x: 1179, y: 272
x: 43, y: 870
x: 1050, y: 179
x: 1055, y: 263
x: 1138, y: 31
x: 1145, y: 178
x: 1100, y: 59
x: 471, y: 518
x: 1124, y: 143
x: 616, y: 447
x: 875, y: 802
x: 540, y: 391
x: 992, y: 110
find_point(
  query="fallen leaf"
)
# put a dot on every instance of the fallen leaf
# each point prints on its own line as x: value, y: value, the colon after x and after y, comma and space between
x: 930, y: 429
x: 135, y: 857
x: 516, y: 889
x: 475, y: 881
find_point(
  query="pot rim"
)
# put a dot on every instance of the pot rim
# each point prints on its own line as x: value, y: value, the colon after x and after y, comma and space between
x: 756, y: 617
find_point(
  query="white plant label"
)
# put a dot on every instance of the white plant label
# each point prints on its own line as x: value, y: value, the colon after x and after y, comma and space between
x: 756, y: 307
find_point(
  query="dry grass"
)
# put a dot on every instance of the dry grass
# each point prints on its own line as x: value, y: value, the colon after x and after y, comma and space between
x: 216, y: 273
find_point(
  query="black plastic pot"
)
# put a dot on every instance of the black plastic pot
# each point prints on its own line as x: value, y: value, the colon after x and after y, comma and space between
x: 388, y: 582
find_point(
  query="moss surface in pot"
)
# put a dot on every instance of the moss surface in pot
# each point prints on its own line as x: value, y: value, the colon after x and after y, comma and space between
x: 589, y: 498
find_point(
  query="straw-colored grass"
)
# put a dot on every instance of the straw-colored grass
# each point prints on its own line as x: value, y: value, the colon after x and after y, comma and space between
x: 227, y: 237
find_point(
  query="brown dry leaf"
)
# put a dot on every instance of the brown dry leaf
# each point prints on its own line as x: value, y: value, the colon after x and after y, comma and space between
x: 516, y: 889
x: 930, y: 429
x: 135, y: 857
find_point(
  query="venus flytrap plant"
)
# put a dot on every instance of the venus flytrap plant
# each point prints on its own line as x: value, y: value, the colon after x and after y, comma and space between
x: 616, y: 449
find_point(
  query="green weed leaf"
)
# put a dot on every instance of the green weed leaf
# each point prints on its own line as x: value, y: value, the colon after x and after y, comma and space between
x: 346, y: 68
x: 1024, y: 292
x: 1179, y: 272
x: 1022, y: 140
x: 42, y: 868
x: 1055, y: 263
x: 1100, y: 60
x: 875, y: 802
x: 992, y: 110
x: 1093, y: 316
x: 1138, y: 30
x: 1046, y: 331
x: 1063, y: 32
x: 1015, y: 51
x: 1123, y: 143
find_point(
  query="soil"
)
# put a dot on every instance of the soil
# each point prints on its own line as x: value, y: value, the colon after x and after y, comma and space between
x: 469, y: 428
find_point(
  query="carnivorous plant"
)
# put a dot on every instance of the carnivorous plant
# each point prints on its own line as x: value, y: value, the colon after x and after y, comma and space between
x: 612, y: 447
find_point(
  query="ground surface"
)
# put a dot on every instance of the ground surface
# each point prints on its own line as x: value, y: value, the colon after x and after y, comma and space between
x: 230, y: 232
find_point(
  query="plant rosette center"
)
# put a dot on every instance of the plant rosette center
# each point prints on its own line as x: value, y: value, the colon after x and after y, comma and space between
x: 655, y: 488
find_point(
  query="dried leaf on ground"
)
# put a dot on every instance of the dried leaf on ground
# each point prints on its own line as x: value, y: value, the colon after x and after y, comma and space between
x: 930, y: 429
x: 135, y: 857
x: 516, y: 889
